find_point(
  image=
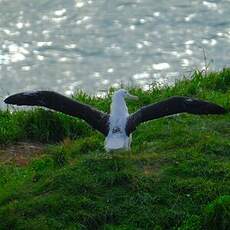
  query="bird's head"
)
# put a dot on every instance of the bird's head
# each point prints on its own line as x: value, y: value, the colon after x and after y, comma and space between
x: 122, y: 93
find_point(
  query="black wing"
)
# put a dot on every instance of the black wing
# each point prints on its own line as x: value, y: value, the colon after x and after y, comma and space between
x: 172, y: 105
x: 58, y: 102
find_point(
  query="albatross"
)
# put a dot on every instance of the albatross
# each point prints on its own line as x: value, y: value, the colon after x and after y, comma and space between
x: 119, y: 125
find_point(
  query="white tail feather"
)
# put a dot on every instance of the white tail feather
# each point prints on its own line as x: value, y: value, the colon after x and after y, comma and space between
x: 115, y: 142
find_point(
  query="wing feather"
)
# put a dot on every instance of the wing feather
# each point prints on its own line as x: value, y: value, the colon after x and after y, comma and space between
x: 170, y: 106
x: 58, y: 102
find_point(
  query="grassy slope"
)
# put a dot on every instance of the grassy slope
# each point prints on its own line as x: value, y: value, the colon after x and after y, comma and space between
x: 176, y: 177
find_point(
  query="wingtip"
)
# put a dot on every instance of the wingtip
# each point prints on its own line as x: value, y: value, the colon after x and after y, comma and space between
x: 15, y: 99
x: 217, y: 109
x: 224, y: 111
x: 7, y: 100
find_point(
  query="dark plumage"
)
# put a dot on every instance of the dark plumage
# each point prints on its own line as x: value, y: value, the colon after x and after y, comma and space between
x: 58, y: 102
x: 170, y: 106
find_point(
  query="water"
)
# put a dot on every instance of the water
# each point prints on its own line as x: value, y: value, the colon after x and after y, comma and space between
x: 95, y: 44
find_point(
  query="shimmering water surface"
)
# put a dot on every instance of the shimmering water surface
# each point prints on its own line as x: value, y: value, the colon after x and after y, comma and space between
x: 95, y: 44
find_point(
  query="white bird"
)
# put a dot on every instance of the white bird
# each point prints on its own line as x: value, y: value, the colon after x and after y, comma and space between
x: 117, y: 137
x: 117, y: 126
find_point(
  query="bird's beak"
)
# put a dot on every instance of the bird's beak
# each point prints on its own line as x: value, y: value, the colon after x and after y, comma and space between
x: 132, y: 97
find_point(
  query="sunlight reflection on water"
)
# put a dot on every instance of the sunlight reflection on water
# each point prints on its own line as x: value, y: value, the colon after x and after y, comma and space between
x: 92, y: 45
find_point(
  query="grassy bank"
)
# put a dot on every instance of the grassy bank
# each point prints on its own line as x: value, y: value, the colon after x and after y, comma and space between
x: 177, y: 175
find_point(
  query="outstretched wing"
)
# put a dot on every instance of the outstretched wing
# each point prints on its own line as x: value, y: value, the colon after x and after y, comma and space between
x: 172, y: 105
x: 58, y: 102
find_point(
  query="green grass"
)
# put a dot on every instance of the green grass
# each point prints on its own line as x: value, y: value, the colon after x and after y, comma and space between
x: 177, y: 175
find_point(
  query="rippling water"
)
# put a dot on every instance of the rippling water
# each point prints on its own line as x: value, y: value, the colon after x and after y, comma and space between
x: 95, y: 44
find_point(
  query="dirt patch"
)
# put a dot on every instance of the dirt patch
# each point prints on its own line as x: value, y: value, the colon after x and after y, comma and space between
x: 156, y: 167
x: 20, y: 153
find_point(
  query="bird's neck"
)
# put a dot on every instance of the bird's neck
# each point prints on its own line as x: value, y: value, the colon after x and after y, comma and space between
x: 118, y: 106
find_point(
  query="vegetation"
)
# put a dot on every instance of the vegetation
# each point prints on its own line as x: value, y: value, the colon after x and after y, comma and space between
x: 177, y: 175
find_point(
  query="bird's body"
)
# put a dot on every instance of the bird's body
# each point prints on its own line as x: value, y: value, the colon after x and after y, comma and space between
x: 117, y: 126
x: 117, y: 138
